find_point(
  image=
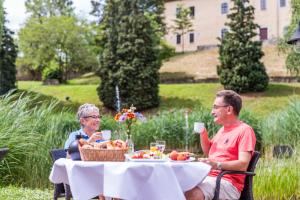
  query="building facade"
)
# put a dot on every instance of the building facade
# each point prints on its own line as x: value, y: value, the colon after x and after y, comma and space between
x: 209, y: 17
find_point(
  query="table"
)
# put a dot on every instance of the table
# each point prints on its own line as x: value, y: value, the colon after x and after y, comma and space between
x: 129, y: 180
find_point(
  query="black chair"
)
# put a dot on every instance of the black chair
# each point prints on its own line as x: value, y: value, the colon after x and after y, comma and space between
x: 3, y: 152
x: 60, y: 190
x: 247, y: 193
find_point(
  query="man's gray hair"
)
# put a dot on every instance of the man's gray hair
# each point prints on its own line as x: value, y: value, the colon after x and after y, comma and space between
x: 85, y: 109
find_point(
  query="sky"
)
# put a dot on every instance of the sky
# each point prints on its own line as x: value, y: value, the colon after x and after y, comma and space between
x: 16, y: 14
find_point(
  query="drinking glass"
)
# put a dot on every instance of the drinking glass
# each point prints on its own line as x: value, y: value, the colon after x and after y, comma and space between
x: 161, y: 145
x: 153, y: 147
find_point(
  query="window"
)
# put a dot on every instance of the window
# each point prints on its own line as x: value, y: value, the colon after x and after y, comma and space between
x: 178, y: 39
x: 192, y: 11
x: 223, y: 32
x: 192, y: 38
x: 282, y: 3
x: 224, y: 8
x: 263, y: 34
x: 263, y: 4
x: 178, y: 10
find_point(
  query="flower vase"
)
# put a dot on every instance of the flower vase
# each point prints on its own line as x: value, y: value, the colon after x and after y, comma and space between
x: 129, y: 143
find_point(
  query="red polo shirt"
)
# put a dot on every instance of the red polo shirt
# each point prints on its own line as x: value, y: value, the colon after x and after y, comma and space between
x: 227, y: 144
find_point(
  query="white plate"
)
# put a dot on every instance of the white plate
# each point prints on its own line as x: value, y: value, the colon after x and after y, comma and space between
x: 183, y: 161
x: 144, y: 159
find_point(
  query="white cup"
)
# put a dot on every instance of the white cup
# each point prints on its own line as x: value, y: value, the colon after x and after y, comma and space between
x: 198, y: 127
x: 106, y: 134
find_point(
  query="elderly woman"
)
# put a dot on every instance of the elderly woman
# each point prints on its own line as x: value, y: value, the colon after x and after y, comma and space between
x: 89, y: 119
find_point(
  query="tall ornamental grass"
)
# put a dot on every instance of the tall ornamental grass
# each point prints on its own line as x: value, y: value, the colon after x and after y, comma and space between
x: 278, y: 178
x: 171, y: 127
x: 30, y: 128
x: 283, y: 127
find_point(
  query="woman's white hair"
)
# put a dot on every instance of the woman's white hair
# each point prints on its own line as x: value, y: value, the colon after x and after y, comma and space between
x: 85, y: 109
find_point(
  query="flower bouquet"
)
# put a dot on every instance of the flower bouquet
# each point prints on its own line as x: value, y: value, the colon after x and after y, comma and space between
x: 128, y: 116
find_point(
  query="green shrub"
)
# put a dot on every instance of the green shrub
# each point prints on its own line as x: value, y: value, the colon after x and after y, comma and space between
x: 52, y: 72
x: 166, y: 50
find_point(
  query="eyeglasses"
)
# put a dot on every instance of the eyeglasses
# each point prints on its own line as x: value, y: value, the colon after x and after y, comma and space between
x: 93, y: 116
x: 219, y: 106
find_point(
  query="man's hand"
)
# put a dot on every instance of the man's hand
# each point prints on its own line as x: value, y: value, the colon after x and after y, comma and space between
x: 211, y: 162
x: 240, y: 165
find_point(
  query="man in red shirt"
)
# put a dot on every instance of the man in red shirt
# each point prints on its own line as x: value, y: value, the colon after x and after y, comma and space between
x: 230, y: 149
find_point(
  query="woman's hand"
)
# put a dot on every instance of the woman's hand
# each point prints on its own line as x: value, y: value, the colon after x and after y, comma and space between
x: 95, y: 136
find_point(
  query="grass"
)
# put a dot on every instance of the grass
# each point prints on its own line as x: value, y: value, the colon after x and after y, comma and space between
x: 21, y: 193
x: 179, y: 95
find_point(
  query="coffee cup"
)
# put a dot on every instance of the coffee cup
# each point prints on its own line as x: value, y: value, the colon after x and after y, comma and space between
x: 106, y: 134
x: 198, y: 127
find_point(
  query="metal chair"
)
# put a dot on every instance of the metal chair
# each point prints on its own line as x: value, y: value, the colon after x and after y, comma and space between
x: 3, y: 152
x: 60, y: 190
x: 247, y: 193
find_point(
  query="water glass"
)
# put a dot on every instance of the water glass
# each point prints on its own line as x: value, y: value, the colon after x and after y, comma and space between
x: 161, y: 145
x: 153, y: 147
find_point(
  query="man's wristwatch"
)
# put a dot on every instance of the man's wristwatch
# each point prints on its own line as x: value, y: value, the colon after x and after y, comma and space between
x: 219, y: 166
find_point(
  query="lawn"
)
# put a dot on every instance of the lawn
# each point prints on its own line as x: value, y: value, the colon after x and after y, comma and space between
x: 178, y: 95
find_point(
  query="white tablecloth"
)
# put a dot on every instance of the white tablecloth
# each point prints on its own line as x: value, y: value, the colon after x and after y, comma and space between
x: 129, y: 180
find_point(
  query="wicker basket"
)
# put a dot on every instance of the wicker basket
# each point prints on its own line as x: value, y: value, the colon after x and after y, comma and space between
x: 116, y: 155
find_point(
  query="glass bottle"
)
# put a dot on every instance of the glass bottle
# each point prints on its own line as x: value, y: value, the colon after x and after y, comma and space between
x: 130, y: 144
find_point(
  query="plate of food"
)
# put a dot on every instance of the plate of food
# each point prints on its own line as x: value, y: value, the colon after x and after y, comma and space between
x: 190, y: 159
x: 144, y: 156
x: 175, y: 156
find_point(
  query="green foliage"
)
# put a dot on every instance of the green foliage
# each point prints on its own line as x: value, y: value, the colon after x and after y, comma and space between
x: 292, y: 61
x: 277, y: 179
x: 53, y: 72
x: 166, y: 50
x: 283, y: 127
x: 241, y: 69
x: 49, y: 8
x: 13, y: 193
x: 130, y: 56
x: 183, y: 23
x: 8, y: 55
x: 30, y: 129
x: 62, y: 40
x: 1, y: 20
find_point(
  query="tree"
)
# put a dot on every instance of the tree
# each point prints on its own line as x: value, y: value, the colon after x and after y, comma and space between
x: 240, y: 67
x: 49, y: 8
x: 292, y: 61
x: 1, y: 19
x: 8, y: 55
x: 183, y: 23
x: 58, y: 43
x: 130, y: 56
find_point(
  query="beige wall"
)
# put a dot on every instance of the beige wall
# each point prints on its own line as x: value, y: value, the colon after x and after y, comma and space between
x: 209, y: 21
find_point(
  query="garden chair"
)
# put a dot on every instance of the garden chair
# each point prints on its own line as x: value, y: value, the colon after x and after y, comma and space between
x: 3, y: 152
x: 247, y: 193
x: 60, y: 190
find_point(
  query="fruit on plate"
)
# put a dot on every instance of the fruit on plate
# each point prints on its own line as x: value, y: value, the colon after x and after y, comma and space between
x: 173, y: 155
x: 181, y: 156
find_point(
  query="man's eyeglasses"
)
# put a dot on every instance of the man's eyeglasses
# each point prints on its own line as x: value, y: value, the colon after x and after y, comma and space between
x: 219, y: 106
x: 93, y: 116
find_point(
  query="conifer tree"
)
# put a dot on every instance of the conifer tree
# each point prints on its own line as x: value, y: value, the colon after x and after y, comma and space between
x: 8, y: 55
x: 130, y: 57
x: 240, y: 67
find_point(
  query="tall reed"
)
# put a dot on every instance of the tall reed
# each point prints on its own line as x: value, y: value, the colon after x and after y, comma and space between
x: 29, y: 129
